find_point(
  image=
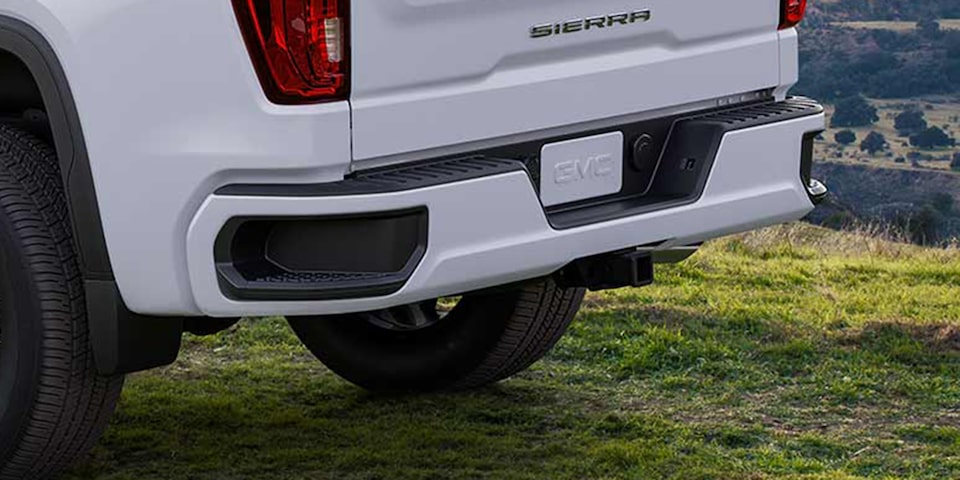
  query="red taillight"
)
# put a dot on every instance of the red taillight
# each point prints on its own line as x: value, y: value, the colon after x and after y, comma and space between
x: 298, y: 47
x: 791, y: 13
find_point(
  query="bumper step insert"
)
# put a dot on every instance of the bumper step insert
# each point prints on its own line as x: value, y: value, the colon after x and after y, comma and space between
x: 387, y: 180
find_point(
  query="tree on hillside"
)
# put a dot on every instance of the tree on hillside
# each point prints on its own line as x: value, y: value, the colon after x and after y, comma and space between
x: 910, y: 121
x: 873, y: 62
x: 845, y: 137
x: 932, y: 137
x: 924, y: 226
x: 840, y: 62
x: 929, y: 28
x: 943, y: 202
x: 854, y: 111
x: 955, y: 164
x: 875, y: 142
x: 953, y: 47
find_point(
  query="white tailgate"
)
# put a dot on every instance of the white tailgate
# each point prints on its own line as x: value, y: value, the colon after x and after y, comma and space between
x: 433, y: 73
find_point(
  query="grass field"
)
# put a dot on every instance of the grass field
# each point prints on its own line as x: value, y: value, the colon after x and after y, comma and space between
x: 793, y: 352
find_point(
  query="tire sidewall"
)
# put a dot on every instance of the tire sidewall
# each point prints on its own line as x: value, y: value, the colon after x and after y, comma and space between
x: 20, y: 327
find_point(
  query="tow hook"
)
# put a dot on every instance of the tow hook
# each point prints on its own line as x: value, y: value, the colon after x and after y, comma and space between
x: 818, y: 191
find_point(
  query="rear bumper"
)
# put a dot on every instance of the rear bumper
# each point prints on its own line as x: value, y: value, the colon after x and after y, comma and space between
x: 493, y: 230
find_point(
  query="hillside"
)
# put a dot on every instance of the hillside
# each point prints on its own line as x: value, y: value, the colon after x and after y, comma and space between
x: 793, y: 352
x: 841, y: 59
x: 921, y: 204
x: 886, y: 9
x: 878, y: 63
x: 943, y: 112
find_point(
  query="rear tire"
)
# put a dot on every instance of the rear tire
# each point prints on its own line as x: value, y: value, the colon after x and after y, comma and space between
x: 485, y: 338
x: 53, y: 404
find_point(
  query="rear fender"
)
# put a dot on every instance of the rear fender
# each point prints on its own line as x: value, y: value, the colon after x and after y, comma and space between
x: 123, y: 341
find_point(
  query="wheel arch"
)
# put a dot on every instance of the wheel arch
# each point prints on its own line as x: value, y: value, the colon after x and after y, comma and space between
x: 123, y: 341
x: 47, y: 88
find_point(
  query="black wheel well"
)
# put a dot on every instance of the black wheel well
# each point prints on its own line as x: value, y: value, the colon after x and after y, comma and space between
x: 18, y: 89
x: 21, y: 102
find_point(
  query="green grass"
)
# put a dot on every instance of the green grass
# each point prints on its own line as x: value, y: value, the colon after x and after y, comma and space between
x: 793, y: 353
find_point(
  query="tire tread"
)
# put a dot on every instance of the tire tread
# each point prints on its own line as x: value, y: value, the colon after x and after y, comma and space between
x: 540, y: 318
x: 73, y: 403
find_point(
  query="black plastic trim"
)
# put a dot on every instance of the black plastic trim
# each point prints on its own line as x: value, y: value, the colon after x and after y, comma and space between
x: 387, y: 180
x: 278, y: 283
x: 757, y: 114
x: 806, y: 155
x: 817, y: 191
x: 125, y: 342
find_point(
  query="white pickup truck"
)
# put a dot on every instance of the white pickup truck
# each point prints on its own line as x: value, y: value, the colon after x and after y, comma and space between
x: 171, y: 166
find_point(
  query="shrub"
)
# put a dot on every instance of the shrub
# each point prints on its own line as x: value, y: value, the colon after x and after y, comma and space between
x: 845, y: 137
x: 910, y: 121
x: 875, y: 142
x: 854, y: 111
x: 932, y: 137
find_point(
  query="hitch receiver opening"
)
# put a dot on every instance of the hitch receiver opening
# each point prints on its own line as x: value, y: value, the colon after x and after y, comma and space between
x: 608, y: 271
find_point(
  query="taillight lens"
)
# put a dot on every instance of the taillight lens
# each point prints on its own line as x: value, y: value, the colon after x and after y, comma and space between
x: 791, y: 13
x: 298, y: 47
